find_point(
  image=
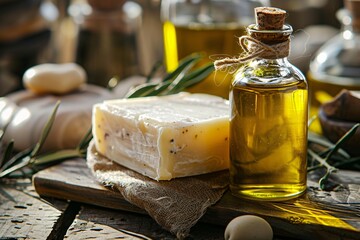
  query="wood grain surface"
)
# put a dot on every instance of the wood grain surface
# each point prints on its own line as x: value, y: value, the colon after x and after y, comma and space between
x: 315, y: 215
x: 24, y: 215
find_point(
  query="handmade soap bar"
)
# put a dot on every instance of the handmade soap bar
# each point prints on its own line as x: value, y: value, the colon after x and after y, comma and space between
x: 164, y: 137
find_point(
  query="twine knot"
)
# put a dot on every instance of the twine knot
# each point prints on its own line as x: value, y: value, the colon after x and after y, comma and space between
x: 254, y: 48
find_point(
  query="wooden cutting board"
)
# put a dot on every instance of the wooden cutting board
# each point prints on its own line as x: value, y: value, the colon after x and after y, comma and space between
x: 315, y: 215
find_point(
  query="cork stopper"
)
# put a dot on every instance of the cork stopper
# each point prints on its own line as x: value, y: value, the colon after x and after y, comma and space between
x: 353, y: 6
x: 270, y: 18
x: 269, y: 38
x: 270, y: 25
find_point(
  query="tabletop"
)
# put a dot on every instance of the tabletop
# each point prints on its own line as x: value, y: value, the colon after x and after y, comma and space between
x: 65, y: 202
x: 26, y: 215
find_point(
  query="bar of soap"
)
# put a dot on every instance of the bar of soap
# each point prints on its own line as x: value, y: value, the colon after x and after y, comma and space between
x: 164, y: 137
x: 54, y: 78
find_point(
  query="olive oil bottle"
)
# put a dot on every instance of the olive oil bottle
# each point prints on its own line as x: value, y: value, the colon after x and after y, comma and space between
x: 269, y: 112
x: 183, y: 40
x: 210, y: 27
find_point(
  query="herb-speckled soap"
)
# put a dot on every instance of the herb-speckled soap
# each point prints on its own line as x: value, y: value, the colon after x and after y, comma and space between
x: 164, y: 137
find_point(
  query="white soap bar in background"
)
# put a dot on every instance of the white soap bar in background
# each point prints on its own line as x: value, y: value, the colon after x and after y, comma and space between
x: 164, y: 137
x: 54, y: 78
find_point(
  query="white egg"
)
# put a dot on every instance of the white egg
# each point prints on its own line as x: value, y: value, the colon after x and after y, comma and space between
x: 248, y: 227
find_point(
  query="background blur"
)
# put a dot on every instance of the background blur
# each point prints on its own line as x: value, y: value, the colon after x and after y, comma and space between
x: 122, y: 37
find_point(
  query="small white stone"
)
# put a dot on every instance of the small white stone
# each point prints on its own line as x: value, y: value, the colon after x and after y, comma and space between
x: 54, y: 78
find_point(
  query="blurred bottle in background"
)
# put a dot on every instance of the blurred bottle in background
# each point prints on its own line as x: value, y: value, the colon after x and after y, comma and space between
x: 25, y: 39
x: 211, y: 27
x: 304, y: 13
x: 151, y: 38
x: 128, y: 38
x: 314, y: 23
x: 336, y: 65
x: 107, y: 41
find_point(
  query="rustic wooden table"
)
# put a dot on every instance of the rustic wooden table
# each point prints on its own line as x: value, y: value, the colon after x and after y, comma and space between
x: 26, y: 215
x: 33, y: 209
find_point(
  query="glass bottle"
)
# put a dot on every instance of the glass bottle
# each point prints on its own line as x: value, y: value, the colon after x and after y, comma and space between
x: 268, y: 123
x: 26, y: 39
x: 107, y: 38
x: 199, y: 26
x: 336, y: 65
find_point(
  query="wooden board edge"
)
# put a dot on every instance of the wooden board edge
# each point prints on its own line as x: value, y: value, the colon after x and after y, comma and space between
x: 60, y: 190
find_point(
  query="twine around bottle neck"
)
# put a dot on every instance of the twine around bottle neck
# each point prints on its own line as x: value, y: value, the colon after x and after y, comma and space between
x: 254, y: 48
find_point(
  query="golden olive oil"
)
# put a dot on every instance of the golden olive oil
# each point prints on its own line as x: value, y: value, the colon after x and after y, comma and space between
x: 268, y: 140
x: 213, y: 41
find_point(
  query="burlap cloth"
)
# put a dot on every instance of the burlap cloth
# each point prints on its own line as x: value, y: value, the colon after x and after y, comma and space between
x: 175, y: 205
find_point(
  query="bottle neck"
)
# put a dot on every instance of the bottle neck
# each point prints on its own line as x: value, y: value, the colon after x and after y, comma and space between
x: 259, y: 44
x: 268, y: 71
x: 271, y: 44
x: 270, y: 62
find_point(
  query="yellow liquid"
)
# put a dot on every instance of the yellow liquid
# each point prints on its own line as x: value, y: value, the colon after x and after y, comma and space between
x: 213, y: 41
x: 321, y: 91
x: 268, y: 141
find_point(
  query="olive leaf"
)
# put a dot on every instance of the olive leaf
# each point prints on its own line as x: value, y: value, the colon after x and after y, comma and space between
x: 192, y: 58
x: 321, y: 159
x: 46, y: 130
x: 26, y: 158
x: 141, y: 90
x: 153, y: 71
x: 85, y: 141
x: 177, y: 78
x: 14, y: 160
x: 7, y: 153
x: 192, y: 79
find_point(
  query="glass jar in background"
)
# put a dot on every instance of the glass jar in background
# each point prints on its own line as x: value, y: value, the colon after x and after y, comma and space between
x: 25, y: 39
x: 207, y: 26
x: 107, y: 42
x: 336, y: 65
x: 151, y: 35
